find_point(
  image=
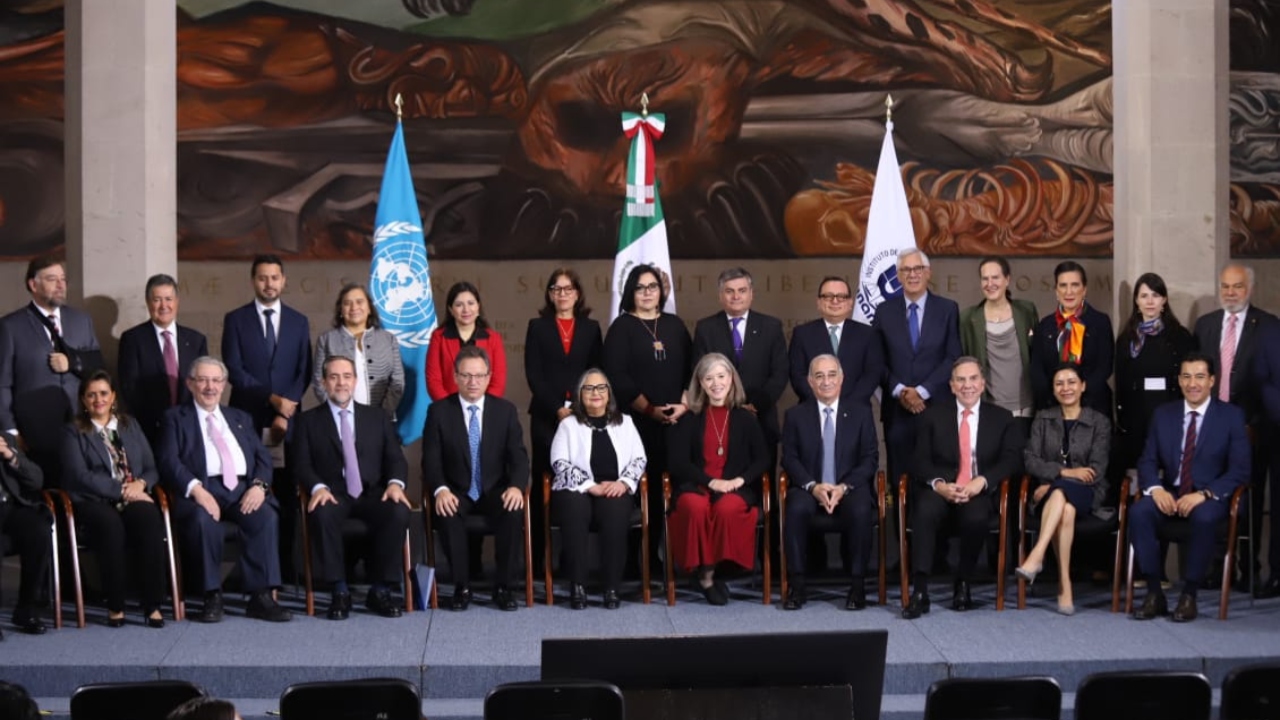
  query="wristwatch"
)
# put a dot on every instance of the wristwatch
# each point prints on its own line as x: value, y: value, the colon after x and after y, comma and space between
x: 1208, y: 494
x: 265, y: 487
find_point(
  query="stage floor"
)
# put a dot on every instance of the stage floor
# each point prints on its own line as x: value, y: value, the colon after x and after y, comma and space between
x: 457, y: 657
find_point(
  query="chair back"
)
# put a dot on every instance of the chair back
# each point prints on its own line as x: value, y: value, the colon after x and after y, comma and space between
x: 131, y: 700
x: 593, y: 699
x: 1251, y: 692
x: 1168, y: 695
x: 1020, y: 698
x: 372, y: 699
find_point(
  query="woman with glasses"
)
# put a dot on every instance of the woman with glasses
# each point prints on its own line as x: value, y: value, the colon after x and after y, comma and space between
x: 1067, y: 458
x: 108, y: 470
x: 559, y: 345
x: 597, y: 458
x: 357, y: 334
x: 464, y: 326
x: 717, y: 458
x: 997, y: 331
x: 1075, y: 333
x: 647, y: 355
x: 1148, y: 359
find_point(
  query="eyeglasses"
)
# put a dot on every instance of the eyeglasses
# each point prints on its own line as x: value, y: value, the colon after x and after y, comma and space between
x: 204, y: 380
x: 595, y: 389
x: 913, y: 270
x: 835, y: 297
x: 651, y: 287
x: 562, y: 289
x: 825, y: 377
x: 471, y: 377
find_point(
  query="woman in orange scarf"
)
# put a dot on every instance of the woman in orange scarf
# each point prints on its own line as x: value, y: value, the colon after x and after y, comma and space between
x: 1075, y: 333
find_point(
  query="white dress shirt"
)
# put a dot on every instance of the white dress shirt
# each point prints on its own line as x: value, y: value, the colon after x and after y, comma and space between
x: 213, y: 461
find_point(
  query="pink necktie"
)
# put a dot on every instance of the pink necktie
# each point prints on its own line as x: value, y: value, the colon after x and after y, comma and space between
x: 350, y: 461
x: 1228, y: 352
x: 224, y: 453
x: 966, y: 453
x: 171, y: 366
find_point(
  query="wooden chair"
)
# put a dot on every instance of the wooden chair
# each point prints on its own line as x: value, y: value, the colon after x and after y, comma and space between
x: 826, y: 524
x: 477, y: 524
x: 999, y: 527
x: 639, y: 519
x: 55, y: 569
x: 1126, y: 695
x: 1178, y: 535
x: 354, y: 530
x: 763, y: 523
x: 1089, y: 526
x: 1026, y: 698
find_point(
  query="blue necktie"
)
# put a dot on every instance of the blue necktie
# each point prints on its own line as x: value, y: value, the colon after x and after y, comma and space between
x: 737, y: 338
x: 271, y: 333
x: 828, y: 449
x: 913, y: 324
x: 473, y: 439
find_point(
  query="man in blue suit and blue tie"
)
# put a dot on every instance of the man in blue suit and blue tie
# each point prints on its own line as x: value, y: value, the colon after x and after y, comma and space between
x: 216, y: 468
x: 1197, y: 454
x: 830, y: 452
x: 920, y: 332
x: 267, y: 349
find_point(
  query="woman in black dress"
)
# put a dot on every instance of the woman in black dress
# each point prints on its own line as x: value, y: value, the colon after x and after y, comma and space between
x: 1149, y: 354
x: 647, y: 356
x: 559, y: 346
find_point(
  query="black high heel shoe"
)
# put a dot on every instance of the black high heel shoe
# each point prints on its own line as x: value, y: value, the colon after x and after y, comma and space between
x: 116, y: 622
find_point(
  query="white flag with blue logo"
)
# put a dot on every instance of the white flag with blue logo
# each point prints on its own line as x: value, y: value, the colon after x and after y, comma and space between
x: 889, y: 232
x: 401, y: 284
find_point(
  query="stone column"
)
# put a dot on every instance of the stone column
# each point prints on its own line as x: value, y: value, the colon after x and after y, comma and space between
x: 1172, y: 169
x: 121, y: 127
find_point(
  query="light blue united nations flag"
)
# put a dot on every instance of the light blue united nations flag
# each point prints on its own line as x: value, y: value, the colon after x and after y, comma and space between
x: 401, y: 284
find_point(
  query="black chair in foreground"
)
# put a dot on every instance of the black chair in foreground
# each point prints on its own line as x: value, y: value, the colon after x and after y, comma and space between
x: 1023, y: 698
x: 372, y: 699
x: 1128, y: 695
x: 134, y: 700
x: 1251, y: 692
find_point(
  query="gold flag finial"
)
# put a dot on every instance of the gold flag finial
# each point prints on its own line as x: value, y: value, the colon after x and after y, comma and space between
x: 888, y: 108
x: 399, y: 106
x: 644, y: 104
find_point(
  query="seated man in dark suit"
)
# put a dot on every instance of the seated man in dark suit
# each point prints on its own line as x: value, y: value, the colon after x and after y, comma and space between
x: 154, y: 358
x: 1197, y: 454
x: 216, y: 467
x: 963, y: 451
x: 349, y: 456
x: 474, y: 461
x: 830, y: 451
x: 24, y: 519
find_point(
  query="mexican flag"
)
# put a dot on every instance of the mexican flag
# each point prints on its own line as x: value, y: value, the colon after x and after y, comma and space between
x: 642, y: 237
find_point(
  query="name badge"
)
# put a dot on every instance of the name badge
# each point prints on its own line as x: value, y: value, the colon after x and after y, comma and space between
x: 1154, y: 383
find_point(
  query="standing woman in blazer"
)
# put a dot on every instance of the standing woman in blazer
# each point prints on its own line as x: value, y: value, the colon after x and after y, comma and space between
x: 108, y: 470
x: 997, y: 331
x: 464, y: 326
x: 1077, y: 333
x: 559, y: 345
x: 357, y: 334
x: 1149, y: 356
x: 717, y: 457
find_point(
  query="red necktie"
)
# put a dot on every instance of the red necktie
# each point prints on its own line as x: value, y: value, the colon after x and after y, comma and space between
x: 1228, y: 352
x: 966, y: 452
x: 171, y: 366
x: 1188, y: 454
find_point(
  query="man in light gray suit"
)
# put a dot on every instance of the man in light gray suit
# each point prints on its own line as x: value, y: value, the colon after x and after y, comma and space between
x: 45, y: 348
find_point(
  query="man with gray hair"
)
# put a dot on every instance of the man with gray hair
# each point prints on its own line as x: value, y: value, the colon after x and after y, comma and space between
x: 155, y: 356
x: 212, y: 460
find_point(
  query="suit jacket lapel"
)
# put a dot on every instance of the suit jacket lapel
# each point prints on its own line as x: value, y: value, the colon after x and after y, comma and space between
x: 100, y: 447
x: 197, y: 442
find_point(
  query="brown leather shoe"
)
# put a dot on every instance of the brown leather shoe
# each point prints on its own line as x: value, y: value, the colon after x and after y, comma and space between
x: 1153, y: 606
x: 1186, y: 610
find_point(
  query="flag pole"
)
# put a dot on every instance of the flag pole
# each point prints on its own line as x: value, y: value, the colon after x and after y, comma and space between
x: 888, y: 108
x: 399, y: 107
x: 644, y: 104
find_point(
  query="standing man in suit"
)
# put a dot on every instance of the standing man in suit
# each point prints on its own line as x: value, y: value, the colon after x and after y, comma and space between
x: 860, y: 352
x: 1197, y: 454
x: 216, y: 468
x: 25, y: 520
x: 155, y: 356
x: 831, y: 453
x: 920, y: 334
x: 1232, y: 338
x: 474, y: 461
x: 756, y: 346
x: 45, y: 348
x: 349, y: 457
x: 964, y: 450
x: 267, y: 348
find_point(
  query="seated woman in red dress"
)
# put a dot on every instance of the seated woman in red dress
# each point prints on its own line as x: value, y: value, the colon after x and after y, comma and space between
x: 716, y: 459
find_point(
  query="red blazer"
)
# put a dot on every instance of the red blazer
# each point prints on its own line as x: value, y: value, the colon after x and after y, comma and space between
x: 442, y: 351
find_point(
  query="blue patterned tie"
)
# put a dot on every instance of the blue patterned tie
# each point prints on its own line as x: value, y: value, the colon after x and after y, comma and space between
x: 473, y: 439
x: 828, y: 449
x: 913, y: 324
x: 270, y: 333
x: 737, y: 338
